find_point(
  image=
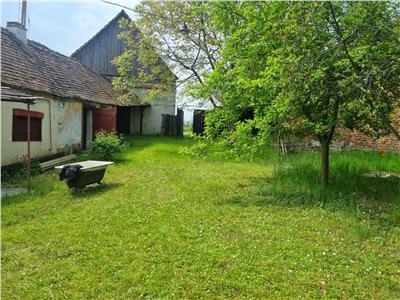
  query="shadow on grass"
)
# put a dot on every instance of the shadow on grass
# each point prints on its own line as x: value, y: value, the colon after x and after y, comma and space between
x: 94, y: 190
x: 87, y: 192
x: 349, y: 191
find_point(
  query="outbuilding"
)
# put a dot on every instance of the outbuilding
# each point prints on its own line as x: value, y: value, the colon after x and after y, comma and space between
x: 132, y: 118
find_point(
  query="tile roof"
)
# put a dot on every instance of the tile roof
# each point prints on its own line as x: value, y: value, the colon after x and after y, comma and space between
x: 35, y: 67
x: 8, y: 94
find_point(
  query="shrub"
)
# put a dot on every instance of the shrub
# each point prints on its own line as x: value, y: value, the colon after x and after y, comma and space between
x: 245, y: 142
x: 199, y: 149
x: 106, y: 144
x: 18, y: 173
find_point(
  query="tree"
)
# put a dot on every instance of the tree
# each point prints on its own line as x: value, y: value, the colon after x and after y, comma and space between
x: 180, y: 32
x: 306, y: 68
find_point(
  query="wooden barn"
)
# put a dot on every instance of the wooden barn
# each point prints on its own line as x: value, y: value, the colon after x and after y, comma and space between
x: 134, y: 119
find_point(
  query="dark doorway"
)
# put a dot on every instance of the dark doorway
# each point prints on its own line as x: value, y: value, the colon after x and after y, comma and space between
x: 136, y: 120
x: 198, y: 121
x: 123, y: 120
x: 84, y: 128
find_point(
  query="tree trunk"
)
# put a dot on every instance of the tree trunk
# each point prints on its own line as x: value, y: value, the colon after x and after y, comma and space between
x: 325, y: 161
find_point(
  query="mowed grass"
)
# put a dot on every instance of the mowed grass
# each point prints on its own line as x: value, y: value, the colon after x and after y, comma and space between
x: 164, y: 225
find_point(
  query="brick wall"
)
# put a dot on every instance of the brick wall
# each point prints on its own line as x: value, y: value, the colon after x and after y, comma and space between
x: 359, y: 140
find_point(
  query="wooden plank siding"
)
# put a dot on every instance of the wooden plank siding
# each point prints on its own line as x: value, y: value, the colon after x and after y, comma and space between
x: 103, y: 47
x: 99, y: 51
x: 98, y: 54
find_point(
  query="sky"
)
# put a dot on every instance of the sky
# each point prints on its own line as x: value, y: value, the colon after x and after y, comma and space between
x: 63, y: 26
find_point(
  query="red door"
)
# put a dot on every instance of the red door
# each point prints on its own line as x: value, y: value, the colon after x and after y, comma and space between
x: 104, y: 119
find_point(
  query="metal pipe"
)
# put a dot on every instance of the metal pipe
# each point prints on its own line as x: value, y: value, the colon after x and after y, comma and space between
x: 29, y: 147
x: 23, y: 12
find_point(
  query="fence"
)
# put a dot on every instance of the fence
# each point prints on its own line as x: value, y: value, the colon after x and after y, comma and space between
x: 198, y: 121
x: 172, y: 125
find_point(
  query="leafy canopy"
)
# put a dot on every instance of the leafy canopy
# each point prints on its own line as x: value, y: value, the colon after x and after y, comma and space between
x: 307, y: 68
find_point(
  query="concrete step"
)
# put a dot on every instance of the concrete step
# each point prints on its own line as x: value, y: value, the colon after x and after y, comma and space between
x: 47, y: 165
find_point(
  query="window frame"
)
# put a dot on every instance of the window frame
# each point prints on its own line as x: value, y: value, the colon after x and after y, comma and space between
x: 20, y: 118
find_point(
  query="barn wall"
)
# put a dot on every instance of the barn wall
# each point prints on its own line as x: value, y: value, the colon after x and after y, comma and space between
x: 152, y: 115
x: 99, y: 52
x: 63, y: 135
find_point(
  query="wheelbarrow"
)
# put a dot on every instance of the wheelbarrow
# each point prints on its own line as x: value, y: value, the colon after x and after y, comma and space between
x: 88, y: 172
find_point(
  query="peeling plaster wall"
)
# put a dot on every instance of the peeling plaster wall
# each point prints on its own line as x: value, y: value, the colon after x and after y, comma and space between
x: 65, y: 132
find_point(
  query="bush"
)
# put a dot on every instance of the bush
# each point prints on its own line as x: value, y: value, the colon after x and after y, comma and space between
x: 245, y: 142
x: 199, y: 149
x: 19, y: 173
x: 106, y: 144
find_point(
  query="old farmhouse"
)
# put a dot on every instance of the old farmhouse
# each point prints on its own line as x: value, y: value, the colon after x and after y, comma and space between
x: 97, y: 54
x: 75, y: 95
x: 70, y: 93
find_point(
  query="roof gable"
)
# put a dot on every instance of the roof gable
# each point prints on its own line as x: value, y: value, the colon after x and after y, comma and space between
x: 99, y: 51
x: 113, y: 22
x: 102, y: 48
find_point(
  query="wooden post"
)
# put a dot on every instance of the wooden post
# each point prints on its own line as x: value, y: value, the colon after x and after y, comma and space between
x: 325, y: 162
x: 29, y: 147
x: 141, y: 120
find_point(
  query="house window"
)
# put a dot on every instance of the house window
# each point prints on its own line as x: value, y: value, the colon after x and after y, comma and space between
x: 20, y: 125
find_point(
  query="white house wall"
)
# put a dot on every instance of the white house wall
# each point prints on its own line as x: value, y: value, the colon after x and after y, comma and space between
x: 64, y: 133
x: 152, y: 115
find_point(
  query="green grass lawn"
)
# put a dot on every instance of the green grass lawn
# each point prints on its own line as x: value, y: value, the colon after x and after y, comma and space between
x: 165, y: 225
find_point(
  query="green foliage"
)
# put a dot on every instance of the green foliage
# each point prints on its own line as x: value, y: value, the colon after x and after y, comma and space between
x: 164, y: 226
x: 199, y: 149
x: 217, y: 121
x: 306, y: 68
x: 19, y: 173
x: 175, y: 35
x: 106, y: 145
x: 245, y: 141
x: 143, y: 75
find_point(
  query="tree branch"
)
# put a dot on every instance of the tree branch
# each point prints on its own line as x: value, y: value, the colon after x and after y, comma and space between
x: 343, y: 41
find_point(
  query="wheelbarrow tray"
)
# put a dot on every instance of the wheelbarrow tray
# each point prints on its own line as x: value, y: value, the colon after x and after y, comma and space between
x: 92, y: 171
